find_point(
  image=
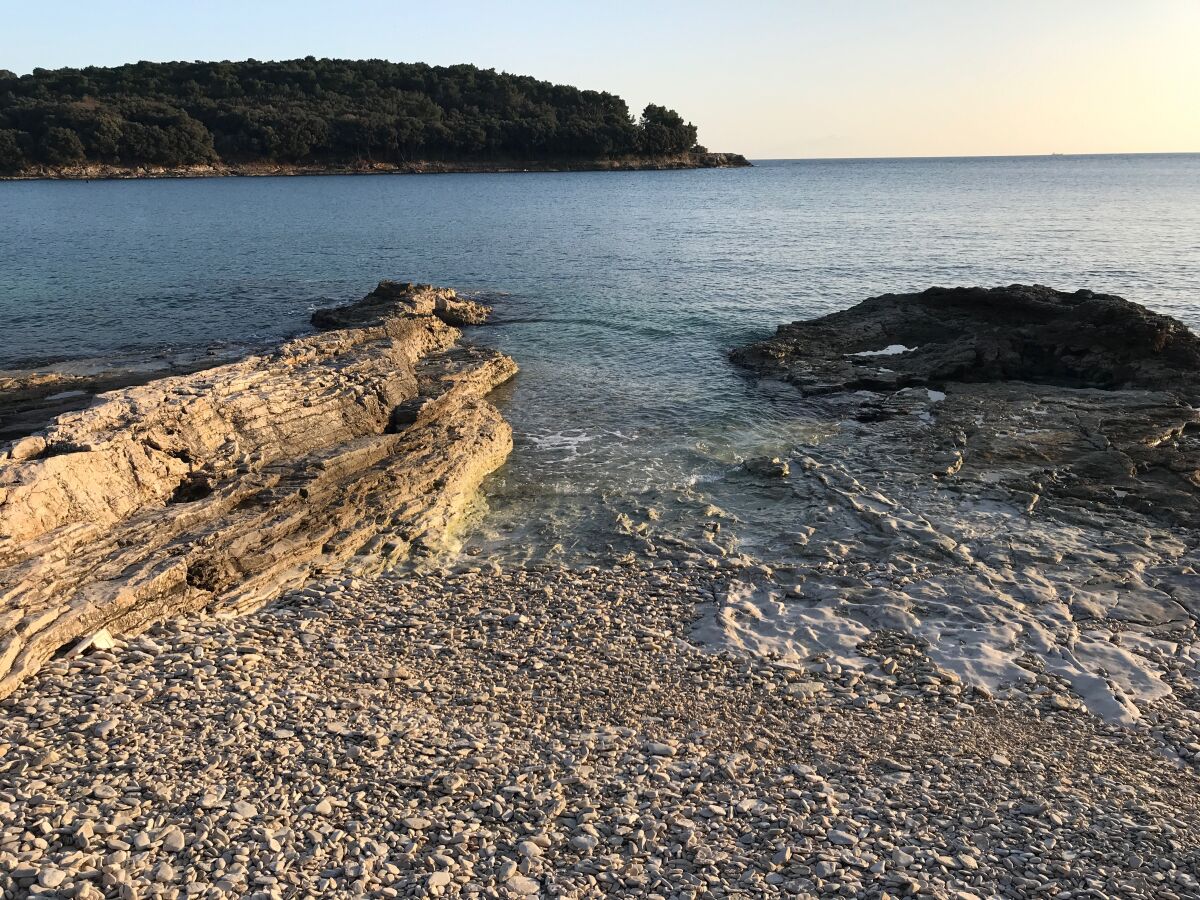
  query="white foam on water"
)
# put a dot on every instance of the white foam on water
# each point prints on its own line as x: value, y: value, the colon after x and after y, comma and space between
x: 569, y: 441
x: 697, y: 478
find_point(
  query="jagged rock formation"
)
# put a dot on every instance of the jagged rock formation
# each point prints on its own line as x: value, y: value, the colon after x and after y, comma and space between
x: 350, y: 448
x: 1012, y: 478
x: 391, y: 297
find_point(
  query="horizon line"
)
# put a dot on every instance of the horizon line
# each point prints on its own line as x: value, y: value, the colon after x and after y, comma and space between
x: 1050, y: 155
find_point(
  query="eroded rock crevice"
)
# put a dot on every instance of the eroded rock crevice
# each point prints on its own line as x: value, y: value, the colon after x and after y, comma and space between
x: 224, y: 487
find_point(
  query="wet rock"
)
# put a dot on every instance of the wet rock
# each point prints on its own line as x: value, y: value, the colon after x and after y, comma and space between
x: 769, y: 467
x: 1012, y: 480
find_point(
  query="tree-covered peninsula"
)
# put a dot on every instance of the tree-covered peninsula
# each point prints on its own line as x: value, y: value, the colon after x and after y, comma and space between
x: 313, y: 114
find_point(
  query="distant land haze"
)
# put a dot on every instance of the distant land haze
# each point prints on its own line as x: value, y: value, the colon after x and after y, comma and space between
x: 311, y: 113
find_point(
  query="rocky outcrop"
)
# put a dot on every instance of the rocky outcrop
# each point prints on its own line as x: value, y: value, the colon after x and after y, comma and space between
x: 1017, y: 333
x: 1010, y: 477
x: 1096, y: 391
x: 351, y: 448
x: 392, y: 297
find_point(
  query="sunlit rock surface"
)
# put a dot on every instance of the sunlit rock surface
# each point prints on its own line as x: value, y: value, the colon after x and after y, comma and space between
x: 350, y: 448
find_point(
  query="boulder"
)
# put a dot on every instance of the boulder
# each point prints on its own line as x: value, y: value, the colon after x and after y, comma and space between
x: 1016, y: 333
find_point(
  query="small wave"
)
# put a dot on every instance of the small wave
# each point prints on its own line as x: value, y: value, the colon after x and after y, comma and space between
x: 572, y: 440
x: 703, y: 478
x: 561, y: 440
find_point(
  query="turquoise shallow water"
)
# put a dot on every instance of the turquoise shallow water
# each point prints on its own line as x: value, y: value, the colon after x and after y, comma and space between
x: 618, y: 293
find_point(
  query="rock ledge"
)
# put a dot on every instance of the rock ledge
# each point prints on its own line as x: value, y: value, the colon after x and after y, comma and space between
x: 351, y: 448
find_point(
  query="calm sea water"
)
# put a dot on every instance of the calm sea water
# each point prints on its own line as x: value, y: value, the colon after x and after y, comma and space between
x: 618, y: 293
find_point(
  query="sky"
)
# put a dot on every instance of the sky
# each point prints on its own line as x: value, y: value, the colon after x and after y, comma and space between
x: 793, y: 79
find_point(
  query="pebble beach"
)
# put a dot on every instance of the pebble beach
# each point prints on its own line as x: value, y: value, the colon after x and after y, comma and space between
x: 553, y: 732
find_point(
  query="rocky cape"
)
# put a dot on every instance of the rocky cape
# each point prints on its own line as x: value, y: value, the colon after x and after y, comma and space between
x: 1011, y: 485
x: 349, y: 449
x: 98, y: 171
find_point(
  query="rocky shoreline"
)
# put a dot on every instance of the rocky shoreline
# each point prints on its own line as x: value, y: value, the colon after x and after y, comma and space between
x: 977, y: 675
x: 1013, y: 485
x: 97, y: 172
x: 351, y: 448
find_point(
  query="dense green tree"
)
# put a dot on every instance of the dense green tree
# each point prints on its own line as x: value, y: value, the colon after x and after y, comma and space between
x: 12, y: 150
x: 664, y: 131
x: 316, y: 110
x: 60, y: 147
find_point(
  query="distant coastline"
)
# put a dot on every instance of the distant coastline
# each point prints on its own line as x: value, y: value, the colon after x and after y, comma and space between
x: 324, y: 116
x: 109, y: 172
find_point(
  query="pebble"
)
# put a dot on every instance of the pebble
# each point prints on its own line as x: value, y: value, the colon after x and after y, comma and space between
x: 50, y: 877
x: 522, y: 885
x: 172, y: 839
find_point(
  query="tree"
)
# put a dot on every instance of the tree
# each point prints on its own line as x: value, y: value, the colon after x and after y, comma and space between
x: 663, y: 131
x: 12, y: 151
x: 310, y: 109
x: 60, y: 147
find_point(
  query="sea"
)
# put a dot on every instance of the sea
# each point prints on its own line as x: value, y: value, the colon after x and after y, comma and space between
x: 620, y: 295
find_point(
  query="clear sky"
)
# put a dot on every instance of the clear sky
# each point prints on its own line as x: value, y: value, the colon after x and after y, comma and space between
x: 793, y: 78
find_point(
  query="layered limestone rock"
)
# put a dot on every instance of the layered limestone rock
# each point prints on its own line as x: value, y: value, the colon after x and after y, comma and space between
x: 33, y: 397
x: 350, y: 448
x: 1011, y: 477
